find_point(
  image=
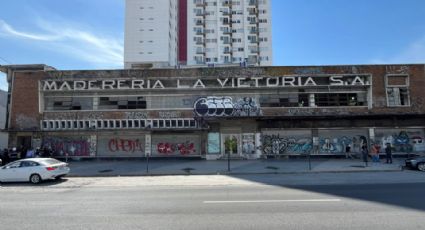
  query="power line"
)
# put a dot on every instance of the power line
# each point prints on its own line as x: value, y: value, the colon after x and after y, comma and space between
x: 8, y: 62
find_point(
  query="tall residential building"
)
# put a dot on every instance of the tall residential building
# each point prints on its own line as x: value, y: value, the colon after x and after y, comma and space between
x: 200, y: 32
x: 150, y: 33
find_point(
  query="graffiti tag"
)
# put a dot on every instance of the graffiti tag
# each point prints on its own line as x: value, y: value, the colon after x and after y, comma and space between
x: 125, y: 145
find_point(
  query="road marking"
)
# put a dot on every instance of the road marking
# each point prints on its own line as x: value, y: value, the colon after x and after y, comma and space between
x: 268, y: 201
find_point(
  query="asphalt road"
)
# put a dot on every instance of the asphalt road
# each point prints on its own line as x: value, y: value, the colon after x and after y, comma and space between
x: 213, y: 202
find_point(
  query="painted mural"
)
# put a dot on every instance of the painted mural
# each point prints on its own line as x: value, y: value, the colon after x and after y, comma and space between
x: 226, y: 107
x: 121, y: 146
x: 286, y: 142
x: 248, y: 143
x: 176, y: 145
x: 401, y: 140
x: 336, y: 141
x: 69, y: 146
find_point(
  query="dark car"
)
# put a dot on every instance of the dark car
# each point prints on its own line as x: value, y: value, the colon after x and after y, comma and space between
x: 416, y: 163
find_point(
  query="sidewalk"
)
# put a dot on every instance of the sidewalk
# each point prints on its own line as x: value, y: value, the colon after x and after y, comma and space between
x: 138, y: 167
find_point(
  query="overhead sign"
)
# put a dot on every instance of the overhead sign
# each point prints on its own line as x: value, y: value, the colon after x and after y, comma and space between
x: 203, y: 83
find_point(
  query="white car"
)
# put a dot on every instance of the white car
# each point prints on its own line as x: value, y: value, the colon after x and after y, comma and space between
x: 33, y: 170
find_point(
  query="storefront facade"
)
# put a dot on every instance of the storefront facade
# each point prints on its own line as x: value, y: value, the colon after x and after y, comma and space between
x: 213, y: 113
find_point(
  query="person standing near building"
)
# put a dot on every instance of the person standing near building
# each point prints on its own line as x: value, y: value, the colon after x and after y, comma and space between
x: 348, y: 152
x: 365, y: 152
x: 374, y: 153
x: 389, y: 154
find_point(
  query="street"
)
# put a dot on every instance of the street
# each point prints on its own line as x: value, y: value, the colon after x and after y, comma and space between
x: 297, y: 201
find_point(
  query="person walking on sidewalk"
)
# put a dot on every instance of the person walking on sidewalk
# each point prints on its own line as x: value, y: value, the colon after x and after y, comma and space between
x: 365, y: 153
x: 388, y: 154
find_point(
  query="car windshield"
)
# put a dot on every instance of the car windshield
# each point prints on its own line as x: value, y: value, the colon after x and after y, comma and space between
x: 51, y: 161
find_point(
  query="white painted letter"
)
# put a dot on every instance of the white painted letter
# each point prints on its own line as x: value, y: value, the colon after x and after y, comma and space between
x: 108, y: 84
x: 289, y: 80
x: 137, y: 84
x: 158, y: 85
x: 222, y: 83
x: 276, y: 83
x: 240, y: 83
x: 50, y: 86
x: 199, y: 83
x: 336, y: 80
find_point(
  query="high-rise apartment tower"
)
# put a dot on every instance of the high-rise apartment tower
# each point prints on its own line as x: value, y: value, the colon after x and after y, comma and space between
x: 169, y: 33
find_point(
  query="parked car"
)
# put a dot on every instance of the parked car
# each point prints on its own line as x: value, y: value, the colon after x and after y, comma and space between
x: 416, y: 163
x: 33, y: 170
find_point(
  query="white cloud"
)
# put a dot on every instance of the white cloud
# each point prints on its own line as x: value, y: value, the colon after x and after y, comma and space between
x: 413, y: 53
x: 99, y: 51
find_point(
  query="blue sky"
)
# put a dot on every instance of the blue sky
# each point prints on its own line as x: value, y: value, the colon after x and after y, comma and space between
x: 89, y: 34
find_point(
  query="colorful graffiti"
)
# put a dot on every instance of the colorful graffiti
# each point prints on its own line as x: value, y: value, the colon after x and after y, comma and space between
x: 338, y: 144
x: 277, y: 145
x: 402, y: 141
x: 167, y: 148
x: 224, y: 106
x: 63, y: 146
x: 125, y: 145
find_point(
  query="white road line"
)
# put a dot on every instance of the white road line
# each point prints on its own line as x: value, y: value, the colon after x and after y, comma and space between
x: 267, y: 201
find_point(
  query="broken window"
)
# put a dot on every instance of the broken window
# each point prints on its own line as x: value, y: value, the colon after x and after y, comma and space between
x: 397, y: 90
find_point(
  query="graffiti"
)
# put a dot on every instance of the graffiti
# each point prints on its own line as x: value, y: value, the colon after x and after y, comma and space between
x: 136, y: 115
x: 246, y: 107
x: 61, y: 146
x: 224, y: 106
x: 338, y: 144
x: 185, y: 148
x: 397, y: 69
x: 248, y: 144
x: 125, y: 145
x: 213, y: 106
x: 169, y: 114
x: 276, y: 145
x: 402, y: 141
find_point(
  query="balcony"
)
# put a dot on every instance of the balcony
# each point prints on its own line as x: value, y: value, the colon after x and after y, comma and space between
x: 227, y: 51
x: 253, y: 21
x: 199, y: 42
x: 199, y: 2
x: 252, y: 11
x: 199, y: 22
x: 253, y: 3
x: 226, y: 42
x: 253, y: 31
x: 200, y: 13
x: 200, y: 32
x: 200, y: 51
x: 226, y: 13
x: 227, y: 32
x: 227, y: 3
x: 254, y: 51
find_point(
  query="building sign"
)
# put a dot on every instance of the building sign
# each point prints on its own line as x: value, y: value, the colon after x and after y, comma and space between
x: 185, y: 83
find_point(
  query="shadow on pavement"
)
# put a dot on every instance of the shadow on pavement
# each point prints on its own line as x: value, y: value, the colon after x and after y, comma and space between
x: 45, y: 183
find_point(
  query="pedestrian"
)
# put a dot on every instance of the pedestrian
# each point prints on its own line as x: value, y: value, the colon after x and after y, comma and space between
x: 348, y: 151
x: 6, y: 158
x: 388, y: 154
x: 374, y: 153
x: 365, y: 153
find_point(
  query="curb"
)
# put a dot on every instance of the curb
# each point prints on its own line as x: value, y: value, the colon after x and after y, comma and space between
x: 233, y: 173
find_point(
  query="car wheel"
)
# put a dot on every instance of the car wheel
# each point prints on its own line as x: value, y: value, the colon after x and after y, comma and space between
x: 35, y: 178
x: 421, y: 167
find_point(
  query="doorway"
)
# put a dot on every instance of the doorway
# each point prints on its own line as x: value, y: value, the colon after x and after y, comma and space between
x: 231, y: 144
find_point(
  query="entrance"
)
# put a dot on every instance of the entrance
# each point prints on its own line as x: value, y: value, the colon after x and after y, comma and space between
x: 231, y: 144
x: 24, y: 141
